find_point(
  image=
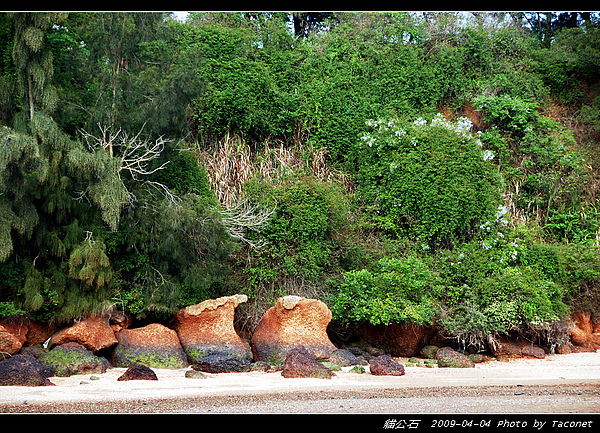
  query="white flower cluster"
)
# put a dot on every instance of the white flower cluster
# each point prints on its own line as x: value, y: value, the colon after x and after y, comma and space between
x: 420, y: 122
x: 369, y: 139
x: 502, y: 211
x: 462, y: 126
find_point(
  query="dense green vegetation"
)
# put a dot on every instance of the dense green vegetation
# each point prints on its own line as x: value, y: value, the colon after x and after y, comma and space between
x: 435, y: 168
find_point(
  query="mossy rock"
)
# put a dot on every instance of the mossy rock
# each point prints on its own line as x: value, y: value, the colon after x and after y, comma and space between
x: 429, y: 351
x: 71, y: 358
x: 194, y: 353
x: 447, y: 357
x: 194, y: 374
x: 332, y: 366
x: 124, y: 358
x: 357, y: 369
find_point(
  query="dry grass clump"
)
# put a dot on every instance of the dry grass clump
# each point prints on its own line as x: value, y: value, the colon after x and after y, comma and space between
x: 231, y: 162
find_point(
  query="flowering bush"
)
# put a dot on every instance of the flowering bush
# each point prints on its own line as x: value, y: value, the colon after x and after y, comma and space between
x: 430, y: 180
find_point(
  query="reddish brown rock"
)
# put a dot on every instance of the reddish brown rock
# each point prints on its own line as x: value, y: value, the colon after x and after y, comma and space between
x: 93, y: 333
x: 514, y: 348
x: 40, y: 332
x: 564, y: 349
x: 292, y: 322
x: 22, y: 370
x: 138, y: 372
x: 154, y: 345
x: 384, y: 365
x: 300, y: 363
x: 583, y: 332
x: 397, y: 339
x: 207, y: 328
x: 450, y: 358
x: 119, y: 320
x: 13, y: 334
x: 583, y: 321
x: 595, y: 320
x: 578, y: 336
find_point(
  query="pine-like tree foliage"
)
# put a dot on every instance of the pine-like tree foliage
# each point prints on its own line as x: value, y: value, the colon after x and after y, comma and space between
x: 55, y: 194
x: 33, y: 62
x: 89, y: 263
x: 100, y: 173
x: 20, y: 166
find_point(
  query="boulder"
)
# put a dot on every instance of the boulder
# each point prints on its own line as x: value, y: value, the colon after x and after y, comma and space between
x: 345, y: 358
x: 397, y: 339
x: 448, y: 357
x: 365, y: 353
x: 292, y: 322
x: 13, y: 334
x: 384, y: 365
x: 94, y: 333
x: 207, y: 328
x: 362, y: 355
x: 584, y: 331
x: 300, y: 363
x: 40, y: 332
x: 138, y: 372
x: 429, y: 351
x: 72, y: 358
x: 36, y: 351
x: 478, y: 358
x: 595, y: 321
x: 221, y: 363
x: 514, y: 348
x: 194, y: 374
x: 119, y: 320
x: 20, y: 370
x: 260, y: 366
x: 153, y: 345
x: 564, y: 349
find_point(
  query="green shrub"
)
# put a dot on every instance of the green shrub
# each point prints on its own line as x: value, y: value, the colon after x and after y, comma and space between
x: 507, y: 112
x: 396, y: 290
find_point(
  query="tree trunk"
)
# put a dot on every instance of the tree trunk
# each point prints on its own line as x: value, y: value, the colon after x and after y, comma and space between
x: 31, y: 110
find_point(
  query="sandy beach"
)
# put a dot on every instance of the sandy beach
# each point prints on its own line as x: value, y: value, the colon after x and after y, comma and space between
x: 557, y: 384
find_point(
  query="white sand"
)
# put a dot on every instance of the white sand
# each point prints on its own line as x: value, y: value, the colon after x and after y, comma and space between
x: 572, y: 369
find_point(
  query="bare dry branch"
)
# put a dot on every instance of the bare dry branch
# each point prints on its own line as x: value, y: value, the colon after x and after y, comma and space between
x: 244, y: 216
x: 135, y: 155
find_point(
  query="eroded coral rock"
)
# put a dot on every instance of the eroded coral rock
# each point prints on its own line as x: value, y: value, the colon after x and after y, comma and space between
x: 94, y: 333
x: 585, y: 331
x: 221, y: 363
x: 153, y: 345
x: 397, y: 339
x: 292, y: 322
x: 13, y: 335
x: 514, y: 348
x: 208, y: 327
